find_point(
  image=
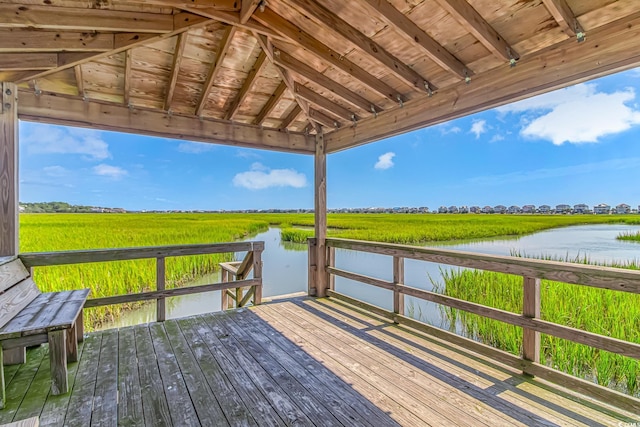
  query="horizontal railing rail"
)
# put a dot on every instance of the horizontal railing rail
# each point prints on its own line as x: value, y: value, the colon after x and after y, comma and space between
x: 532, y: 272
x: 160, y: 253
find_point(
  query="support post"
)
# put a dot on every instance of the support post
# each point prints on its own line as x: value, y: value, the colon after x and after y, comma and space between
x: 320, y: 215
x: 8, y: 169
x: 161, y: 308
x: 257, y: 271
x: 312, y: 252
x: 224, y: 277
x: 531, y: 309
x: 398, y: 280
x: 331, y: 262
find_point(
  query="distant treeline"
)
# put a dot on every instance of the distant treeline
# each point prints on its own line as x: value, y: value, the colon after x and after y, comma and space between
x: 62, y: 207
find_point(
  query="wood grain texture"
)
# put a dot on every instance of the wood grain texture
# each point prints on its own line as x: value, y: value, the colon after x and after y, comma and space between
x: 398, y: 280
x: 268, y: 108
x: 320, y: 214
x: 24, y: 40
x: 564, y: 16
x: 531, y: 309
x: 15, y: 299
x: 161, y: 309
x: 12, y: 273
x: 58, y: 361
x: 9, y: 170
x: 214, y: 69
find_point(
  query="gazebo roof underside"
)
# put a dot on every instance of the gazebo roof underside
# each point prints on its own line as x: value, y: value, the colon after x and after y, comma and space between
x: 271, y: 74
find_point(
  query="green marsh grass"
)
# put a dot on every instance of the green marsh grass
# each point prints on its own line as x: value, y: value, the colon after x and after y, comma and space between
x: 629, y: 236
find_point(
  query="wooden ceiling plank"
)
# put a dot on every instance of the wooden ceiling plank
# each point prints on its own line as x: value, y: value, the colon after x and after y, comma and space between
x: 324, y: 103
x: 77, y: 70
x: 609, y: 48
x: 470, y: 19
x: 564, y: 16
x: 337, y: 24
x: 28, y: 61
x: 292, y: 64
x: 291, y: 117
x: 226, y: 5
x: 247, y: 9
x: 323, y: 119
x: 128, y: 61
x: 434, y: 50
x: 23, y: 41
x: 256, y: 70
x: 274, y: 99
x: 298, y: 36
x: 83, y: 19
x: 175, y: 69
x: 122, y: 42
x: 73, y: 111
x: 225, y: 43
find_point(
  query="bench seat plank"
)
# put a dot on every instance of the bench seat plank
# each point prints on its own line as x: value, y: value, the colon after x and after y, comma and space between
x: 11, y: 273
x: 15, y: 299
x: 47, y: 312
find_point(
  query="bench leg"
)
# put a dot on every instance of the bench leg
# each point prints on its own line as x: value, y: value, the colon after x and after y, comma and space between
x: 80, y: 326
x: 15, y: 356
x: 72, y: 344
x: 58, y: 361
x: 3, y: 396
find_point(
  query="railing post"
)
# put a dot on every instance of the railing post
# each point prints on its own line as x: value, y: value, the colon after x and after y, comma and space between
x: 531, y: 309
x: 312, y: 252
x: 9, y: 169
x: 224, y: 277
x: 257, y: 271
x: 398, y: 280
x: 160, y: 286
x: 331, y: 262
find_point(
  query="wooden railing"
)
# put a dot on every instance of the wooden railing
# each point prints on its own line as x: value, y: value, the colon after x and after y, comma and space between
x: 237, y: 272
x: 532, y: 271
x: 160, y: 253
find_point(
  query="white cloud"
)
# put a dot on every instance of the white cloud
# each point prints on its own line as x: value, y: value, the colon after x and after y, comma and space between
x: 446, y: 129
x: 109, y: 171
x: 385, y: 161
x: 578, y: 114
x: 195, y: 147
x: 55, y: 171
x: 50, y: 139
x: 261, y: 177
x: 478, y: 127
x: 497, y: 137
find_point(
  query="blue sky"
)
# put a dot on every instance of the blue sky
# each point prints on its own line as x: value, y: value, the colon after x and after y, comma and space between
x: 576, y: 145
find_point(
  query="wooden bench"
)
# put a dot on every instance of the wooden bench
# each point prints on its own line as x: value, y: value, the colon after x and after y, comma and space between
x: 29, y: 317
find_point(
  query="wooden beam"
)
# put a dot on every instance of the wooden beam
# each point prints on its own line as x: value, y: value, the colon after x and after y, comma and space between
x: 291, y: 117
x: 73, y: 111
x: 473, y: 22
x: 292, y: 64
x: 322, y: 102
x: 225, y: 43
x: 271, y: 104
x: 610, y: 48
x: 564, y: 16
x: 255, y: 72
x: 417, y: 35
x: 20, y: 40
x: 337, y: 24
x: 126, y: 41
x: 83, y: 19
x: 28, y: 61
x: 77, y: 70
x: 226, y: 5
x: 128, y: 61
x: 320, y: 213
x: 9, y: 170
x: 247, y: 9
x: 175, y: 69
x: 296, y: 35
x: 324, y: 119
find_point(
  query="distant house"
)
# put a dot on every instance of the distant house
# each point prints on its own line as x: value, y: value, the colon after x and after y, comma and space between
x: 442, y: 209
x: 580, y: 209
x: 529, y: 209
x: 475, y: 209
x: 487, y: 209
x: 544, y: 209
x: 513, y: 209
x: 499, y: 209
x: 602, y: 209
x: 463, y: 209
x: 623, y: 208
x: 563, y: 209
x: 452, y: 209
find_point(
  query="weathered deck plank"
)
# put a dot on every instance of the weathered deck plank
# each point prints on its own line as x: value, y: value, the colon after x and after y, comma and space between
x: 291, y: 362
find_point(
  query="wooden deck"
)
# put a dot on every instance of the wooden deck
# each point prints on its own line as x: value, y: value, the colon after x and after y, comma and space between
x: 292, y: 362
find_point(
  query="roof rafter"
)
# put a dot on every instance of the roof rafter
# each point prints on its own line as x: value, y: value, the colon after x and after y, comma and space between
x: 247, y: 9
x: 411, y: 30
x: 128, y: 61
x: 73, y: 111
x: 22, y: 40
x: 292, y: 64
x: 564, y: 16
x: 337, y: 24
x: 323, y: 118
x: 225, y: 43
x: 473, y: 22
x: 255, y: 72
x: 293, y: 114
x: 324, y: 52
x: 28, y: 61
x: 175, y: 69
x: 77, y: 70
x: 274, y: 99
x: 322, y: 102
x: 83, y: 19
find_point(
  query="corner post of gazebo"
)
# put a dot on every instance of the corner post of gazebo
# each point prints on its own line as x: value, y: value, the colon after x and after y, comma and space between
x: 9, y: 170
x: 320, y: 212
